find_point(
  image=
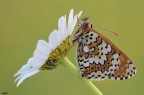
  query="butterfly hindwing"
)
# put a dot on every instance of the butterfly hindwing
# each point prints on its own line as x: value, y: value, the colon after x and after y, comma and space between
x: 99, y: 58
x: 126, y: 69
x: 96, y: 58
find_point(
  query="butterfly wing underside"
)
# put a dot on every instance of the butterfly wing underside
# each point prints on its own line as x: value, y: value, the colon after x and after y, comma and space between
x: 100, y: 59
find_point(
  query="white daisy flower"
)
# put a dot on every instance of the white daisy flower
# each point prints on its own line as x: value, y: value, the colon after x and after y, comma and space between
x: 48, y: 53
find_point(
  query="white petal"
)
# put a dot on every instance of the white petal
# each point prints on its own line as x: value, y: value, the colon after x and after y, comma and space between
x: 80, y: 14
x: 62, y: 27
x: 25, y: 72
x: 25, y: 67
x: 40, y: 56
x: 20, y: 76
x: 72, y: 22
x: 42, y: 47
x: 53, y: 39
x: 42, y: 50
x: 59, y: 36
x: 56, y: 37
x: 70, y: 19
x: 34, y: 62
x: 63, y: 23
x: 42, y: 43
x: 26, y: 76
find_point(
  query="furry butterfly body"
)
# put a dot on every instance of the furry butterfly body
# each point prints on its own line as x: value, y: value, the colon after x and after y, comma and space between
x: 98, y: 57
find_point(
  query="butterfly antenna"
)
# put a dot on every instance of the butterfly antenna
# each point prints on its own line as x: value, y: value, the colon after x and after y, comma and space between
x: 115, y: 33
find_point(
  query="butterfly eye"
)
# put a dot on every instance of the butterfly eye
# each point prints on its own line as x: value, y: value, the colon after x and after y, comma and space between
x: 84, y: 23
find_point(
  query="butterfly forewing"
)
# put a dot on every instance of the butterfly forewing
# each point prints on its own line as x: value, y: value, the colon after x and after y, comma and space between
x: 99, y: 58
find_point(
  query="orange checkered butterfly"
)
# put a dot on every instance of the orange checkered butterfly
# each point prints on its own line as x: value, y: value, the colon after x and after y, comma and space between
x: 98, y: 57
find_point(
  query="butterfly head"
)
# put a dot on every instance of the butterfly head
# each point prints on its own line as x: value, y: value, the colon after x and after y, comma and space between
x: 83, y: 24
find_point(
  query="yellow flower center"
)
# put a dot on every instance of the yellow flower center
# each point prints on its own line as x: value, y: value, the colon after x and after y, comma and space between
x: 57, y: 54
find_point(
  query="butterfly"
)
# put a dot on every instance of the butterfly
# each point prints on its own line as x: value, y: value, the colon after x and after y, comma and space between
x: 98, y: 58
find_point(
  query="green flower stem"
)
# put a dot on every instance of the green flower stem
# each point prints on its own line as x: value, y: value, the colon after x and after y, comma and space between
x: 74, y: 70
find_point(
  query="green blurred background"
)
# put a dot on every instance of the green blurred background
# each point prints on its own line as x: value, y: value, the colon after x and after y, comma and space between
x: 24, y: 22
